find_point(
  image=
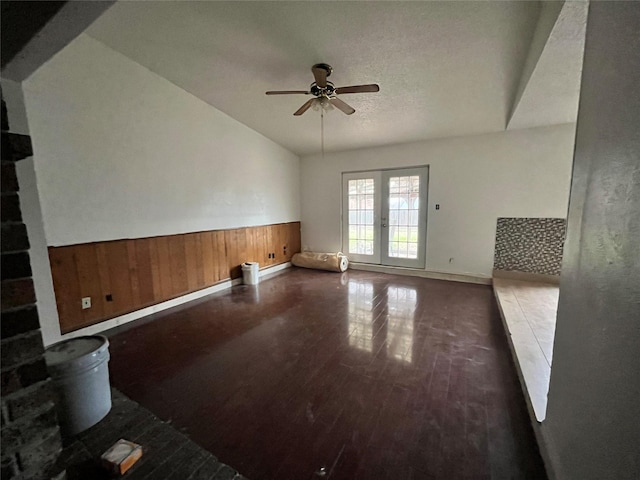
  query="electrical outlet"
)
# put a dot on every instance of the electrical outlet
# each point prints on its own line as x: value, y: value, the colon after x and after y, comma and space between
x: 86, y: 303
x: 437, y: 206
x: 451, y: 260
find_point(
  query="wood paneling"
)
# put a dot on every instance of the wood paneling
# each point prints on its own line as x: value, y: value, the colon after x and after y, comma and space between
x: 68, y: 299
x: 155, y: 270
x: 103, y: 275
x: 121, y: 276
x: 133, y: 269
x: 145, y: 271
x: 179, y: 283
x: 208, y: 260
x: 191, y: 262
x: 222, y: 270
x: 164, y: 266
x: 235, y: 241
x: 86, y: 257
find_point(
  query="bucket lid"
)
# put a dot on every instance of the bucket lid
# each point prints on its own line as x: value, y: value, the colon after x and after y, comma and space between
x: 68, y: 351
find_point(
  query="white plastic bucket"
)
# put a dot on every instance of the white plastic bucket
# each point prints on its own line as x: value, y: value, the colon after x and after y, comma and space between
x: 80, y: 376
x: 250, y: 273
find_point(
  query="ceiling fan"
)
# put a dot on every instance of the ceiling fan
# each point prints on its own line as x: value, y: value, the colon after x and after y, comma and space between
x: 325, y: 93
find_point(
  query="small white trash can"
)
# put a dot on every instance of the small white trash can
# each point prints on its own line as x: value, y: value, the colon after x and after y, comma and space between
x: 80, y: 377
x: 250, y: 273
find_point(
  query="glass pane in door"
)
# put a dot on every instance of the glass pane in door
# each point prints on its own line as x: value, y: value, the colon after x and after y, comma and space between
x: 404, y: 208
x: 361, y: 216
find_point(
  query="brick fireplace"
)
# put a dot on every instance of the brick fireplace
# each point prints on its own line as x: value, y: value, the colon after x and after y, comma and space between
x: 31, y: 441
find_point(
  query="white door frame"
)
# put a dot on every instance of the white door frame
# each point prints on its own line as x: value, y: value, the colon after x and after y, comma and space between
x: 385, y: 259
x: 380, y: 251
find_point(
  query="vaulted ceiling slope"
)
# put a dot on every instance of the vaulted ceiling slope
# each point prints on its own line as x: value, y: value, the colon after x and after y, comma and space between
x: 444, y: 68
x: 33, y: 32
x: 550, y: 85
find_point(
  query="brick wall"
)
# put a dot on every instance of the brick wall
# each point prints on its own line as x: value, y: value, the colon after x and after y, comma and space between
x: 30, y: 434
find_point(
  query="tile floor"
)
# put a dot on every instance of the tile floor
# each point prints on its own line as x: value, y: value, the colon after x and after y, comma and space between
x: 529, y: 311
x: 358, y: 375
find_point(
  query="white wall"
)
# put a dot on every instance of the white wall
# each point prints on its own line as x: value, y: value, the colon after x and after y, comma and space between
x: 42, y: 280
x: 475, y: 179
x: 122, y: 153
x: 119, y: 152
x: 592, y: 426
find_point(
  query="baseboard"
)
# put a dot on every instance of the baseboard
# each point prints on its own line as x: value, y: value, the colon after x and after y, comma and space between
x: 527, y: 276
x: 269, y: 272
x: 414, y: 272
x: 159, y: 307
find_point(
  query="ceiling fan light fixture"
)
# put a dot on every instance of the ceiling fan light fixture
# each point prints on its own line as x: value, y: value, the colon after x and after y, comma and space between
x: 322, y: 103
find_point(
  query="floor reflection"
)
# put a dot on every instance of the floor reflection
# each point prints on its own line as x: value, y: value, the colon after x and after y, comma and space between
x: 399, y: 304
x: 361, y: 315
x: 401, y: 307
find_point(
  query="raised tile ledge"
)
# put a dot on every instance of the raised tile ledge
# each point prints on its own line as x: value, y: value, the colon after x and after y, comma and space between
x: 533, y: 367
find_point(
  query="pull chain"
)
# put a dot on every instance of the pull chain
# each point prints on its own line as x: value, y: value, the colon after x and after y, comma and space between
x: 322, y: 132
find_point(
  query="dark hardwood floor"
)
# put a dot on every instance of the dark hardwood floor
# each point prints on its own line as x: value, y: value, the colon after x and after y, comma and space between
x: 364, y: 375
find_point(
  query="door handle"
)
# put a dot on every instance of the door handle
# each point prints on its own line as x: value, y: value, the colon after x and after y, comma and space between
x: 384, y: 224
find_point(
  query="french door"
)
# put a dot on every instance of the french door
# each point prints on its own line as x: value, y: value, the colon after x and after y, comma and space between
x: 385, y: 216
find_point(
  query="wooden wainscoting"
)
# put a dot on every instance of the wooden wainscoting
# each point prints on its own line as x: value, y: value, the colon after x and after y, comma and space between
x: 121, y: 276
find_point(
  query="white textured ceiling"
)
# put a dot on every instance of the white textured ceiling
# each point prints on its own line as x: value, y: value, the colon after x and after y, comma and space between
x: 444, y: 68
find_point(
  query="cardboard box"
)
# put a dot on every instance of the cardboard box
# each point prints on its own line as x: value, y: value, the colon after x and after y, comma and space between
x: 121, y: 456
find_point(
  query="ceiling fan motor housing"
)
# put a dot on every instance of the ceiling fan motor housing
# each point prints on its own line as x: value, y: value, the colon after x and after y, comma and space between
x: 325, y: 66
x: 327, y: 91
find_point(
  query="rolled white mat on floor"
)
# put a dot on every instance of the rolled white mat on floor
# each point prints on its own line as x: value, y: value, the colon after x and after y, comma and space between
x: 334, y: 262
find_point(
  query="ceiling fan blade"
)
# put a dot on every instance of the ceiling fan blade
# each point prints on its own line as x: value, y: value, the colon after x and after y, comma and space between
x: 287, y: 92
x: 304, y: 107
x: 320, y: 73
x: 339, y: 104
x: 358, y: 89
